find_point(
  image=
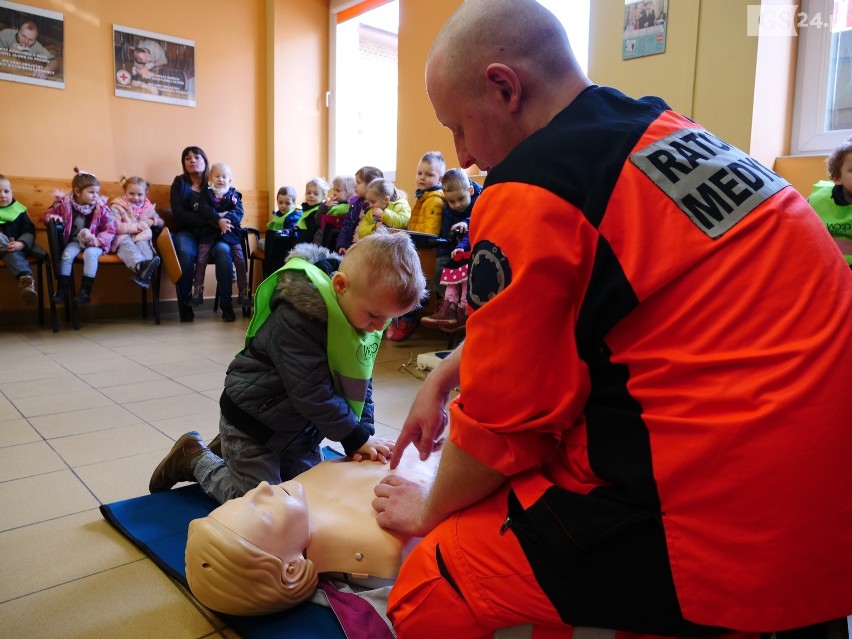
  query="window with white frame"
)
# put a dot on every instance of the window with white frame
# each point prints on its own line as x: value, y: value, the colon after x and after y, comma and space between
x: 822, y: 116
x: 363, y: 75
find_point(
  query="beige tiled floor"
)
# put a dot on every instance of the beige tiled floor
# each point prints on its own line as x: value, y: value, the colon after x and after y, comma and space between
x: 85, y: 416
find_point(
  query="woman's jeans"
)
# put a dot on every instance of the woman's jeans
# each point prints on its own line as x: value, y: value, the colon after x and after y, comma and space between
x: 186, y: 247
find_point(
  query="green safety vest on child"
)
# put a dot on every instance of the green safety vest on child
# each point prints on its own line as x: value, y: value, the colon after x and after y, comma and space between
x: 351, y: 354
x: 837, y: 218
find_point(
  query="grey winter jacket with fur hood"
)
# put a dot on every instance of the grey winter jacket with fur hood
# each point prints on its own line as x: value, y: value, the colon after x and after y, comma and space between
x: 283, y: 380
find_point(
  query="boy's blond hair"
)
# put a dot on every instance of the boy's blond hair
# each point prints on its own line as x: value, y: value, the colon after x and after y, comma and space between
x: 390, y: 261
x: 455, y: 180
x: 436, y: 159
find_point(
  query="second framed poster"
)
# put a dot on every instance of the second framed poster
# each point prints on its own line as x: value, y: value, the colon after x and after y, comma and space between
x: 154, y: 67
x: 644, y: 28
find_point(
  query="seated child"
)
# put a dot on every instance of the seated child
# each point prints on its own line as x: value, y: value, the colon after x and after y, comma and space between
x: 285, y: 217
x: 288, y: 214
x: 227, y: 203
x: 387, y: 207
x: 17, y: 240
x: 429, y: 205
x: 88, y: 228
x: 134, y: 218
x: 306, y: 370
x: 425, y: 218
x: 461, y: 194
x: 315, y: 192
x: 832, y: 199
x: 332, y: 211
x: 452, y: 312
x: 357, y: 205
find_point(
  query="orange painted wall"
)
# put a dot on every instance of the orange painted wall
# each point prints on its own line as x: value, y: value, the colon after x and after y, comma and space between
x: 418, y: 130
x: 297, y: 134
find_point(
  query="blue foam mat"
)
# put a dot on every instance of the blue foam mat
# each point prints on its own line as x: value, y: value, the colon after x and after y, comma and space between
x: 157, y: 524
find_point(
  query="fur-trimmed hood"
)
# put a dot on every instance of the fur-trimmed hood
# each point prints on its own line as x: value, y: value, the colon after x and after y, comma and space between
x: 297, y: 289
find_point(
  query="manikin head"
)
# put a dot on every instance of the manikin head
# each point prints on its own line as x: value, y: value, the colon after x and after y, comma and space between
x: 247, y: 556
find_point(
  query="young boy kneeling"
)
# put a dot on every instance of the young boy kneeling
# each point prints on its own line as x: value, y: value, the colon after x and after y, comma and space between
x: 305, y: 372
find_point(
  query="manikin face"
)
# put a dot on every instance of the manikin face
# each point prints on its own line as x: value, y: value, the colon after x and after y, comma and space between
x: 367, y: 308
x: 219, y: 179
x: 135, y: 194
x: 273, y: 518
x: 427, y: 176
x: 27, y: 36
x: 6, y: 196
x: 194, y: 163
x: 285, y: 203
x: 845, y: 178
x: 459, y: 199
x: 376, y: 201
x: 313, y: 194
x: 87, y: 196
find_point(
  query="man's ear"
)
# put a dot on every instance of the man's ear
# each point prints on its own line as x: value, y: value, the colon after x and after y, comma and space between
x: 503, y: 80
x: 339, y: 282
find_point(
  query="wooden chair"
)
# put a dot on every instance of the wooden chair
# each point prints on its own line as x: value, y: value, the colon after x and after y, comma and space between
x: 256, y: 255
x: 56, y: 244
x: 40, y: 259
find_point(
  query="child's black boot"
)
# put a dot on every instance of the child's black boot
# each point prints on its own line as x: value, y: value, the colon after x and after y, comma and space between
x: 62, y: 285
x: 84, y: 295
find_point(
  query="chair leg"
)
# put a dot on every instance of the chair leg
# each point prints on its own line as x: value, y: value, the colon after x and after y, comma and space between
x: 155, y: 293
x: 54, y: 321
x: 144, y: 303
x: 71, y: 304
x: 40, y: 292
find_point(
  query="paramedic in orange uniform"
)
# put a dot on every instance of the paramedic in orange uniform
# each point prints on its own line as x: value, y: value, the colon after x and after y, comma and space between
x: 654, y: 426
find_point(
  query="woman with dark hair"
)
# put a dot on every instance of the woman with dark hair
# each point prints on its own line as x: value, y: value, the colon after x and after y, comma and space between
x: 192, y: 215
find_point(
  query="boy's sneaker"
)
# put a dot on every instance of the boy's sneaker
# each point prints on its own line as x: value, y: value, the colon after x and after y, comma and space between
x: 244, y: 298
x: 197, y: 297
x: 446, y: 316
x: 26, y: 284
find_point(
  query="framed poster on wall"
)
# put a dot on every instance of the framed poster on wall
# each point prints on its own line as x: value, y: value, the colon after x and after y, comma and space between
x: 32, y: 42
x: 153, y: 67
x: 644, y: 28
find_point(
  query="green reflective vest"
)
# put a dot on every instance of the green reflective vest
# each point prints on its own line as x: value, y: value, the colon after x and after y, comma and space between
x: 351, y: 354
x: 10, y: 213
x: 837, y: 219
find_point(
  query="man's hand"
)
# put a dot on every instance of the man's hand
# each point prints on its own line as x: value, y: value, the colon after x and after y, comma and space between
x: 401, y: 505
x: 427, y: 418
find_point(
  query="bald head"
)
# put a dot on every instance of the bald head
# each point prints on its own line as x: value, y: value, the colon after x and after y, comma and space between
x: 520, y: 33
x: 510, y: 63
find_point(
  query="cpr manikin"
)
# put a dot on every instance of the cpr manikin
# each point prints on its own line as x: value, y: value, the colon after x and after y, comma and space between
x: 262, y: 552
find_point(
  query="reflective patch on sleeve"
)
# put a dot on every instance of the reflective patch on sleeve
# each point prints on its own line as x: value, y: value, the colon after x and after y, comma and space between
x: 489, y: 273
x: 715, y: 184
